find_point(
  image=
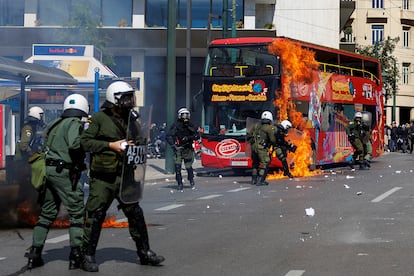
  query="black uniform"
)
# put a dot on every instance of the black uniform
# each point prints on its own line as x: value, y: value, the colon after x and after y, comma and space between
x: 282, y: 146
x: 181, y: 136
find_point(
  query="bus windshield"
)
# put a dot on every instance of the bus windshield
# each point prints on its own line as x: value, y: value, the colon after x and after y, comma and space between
x: 229, y: 118
x: 251, y: 60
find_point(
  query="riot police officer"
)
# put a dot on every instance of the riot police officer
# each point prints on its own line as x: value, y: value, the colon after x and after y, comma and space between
x: 64, y: 164
x: 181, y: 136
x: 30, y: 134
x: 31, y: 142
x: 356, y: 131
x: 282, y: 146
x: 105, y: 139
x: 261, y: 138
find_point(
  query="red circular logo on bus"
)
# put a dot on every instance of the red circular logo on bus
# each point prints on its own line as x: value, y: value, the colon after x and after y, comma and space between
x: 228, y: 148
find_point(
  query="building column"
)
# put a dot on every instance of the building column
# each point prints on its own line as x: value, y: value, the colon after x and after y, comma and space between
x: 138, y: 14
x: 30, y: 13
x: 249, y: 15
x: 137, y: 71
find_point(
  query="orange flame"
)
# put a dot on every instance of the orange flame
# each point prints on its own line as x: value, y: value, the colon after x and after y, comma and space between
x: 28, y: 217
x: 299, y: 66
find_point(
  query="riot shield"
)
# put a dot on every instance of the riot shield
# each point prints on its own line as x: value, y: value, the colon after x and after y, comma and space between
x: 134, y: 163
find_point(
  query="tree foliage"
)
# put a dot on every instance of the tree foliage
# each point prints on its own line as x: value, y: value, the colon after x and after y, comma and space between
x: 83, y: 28
x: 383, y: 52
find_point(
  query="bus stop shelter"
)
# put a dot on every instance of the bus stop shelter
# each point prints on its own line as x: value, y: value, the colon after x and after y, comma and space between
x: 32, y: 74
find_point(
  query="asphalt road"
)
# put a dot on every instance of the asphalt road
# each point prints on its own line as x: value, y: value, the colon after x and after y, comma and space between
x: 362, y: 225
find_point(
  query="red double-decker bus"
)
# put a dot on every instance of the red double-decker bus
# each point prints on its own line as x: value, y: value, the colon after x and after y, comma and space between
x: 317, y: 88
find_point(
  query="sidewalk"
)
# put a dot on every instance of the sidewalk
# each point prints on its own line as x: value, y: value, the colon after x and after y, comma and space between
x: 155, y: 169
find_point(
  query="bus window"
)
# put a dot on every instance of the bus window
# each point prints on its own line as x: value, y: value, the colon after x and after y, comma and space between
x: 241, y: 61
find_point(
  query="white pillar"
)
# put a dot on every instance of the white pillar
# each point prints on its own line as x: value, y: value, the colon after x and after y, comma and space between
x: 137, y: 71
x: 249, y: 15
x: 138, y: 14
x: 30, y: 13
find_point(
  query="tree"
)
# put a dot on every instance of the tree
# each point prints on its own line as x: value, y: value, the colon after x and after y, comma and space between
x: 83, y: 28
x: 383, y: 52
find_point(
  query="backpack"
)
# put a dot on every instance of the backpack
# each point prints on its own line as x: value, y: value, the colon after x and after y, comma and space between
x: 257, y: 135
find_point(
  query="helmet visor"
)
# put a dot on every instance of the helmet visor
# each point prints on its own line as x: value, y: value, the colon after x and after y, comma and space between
x: 185, y: 115
x: 125, y: 100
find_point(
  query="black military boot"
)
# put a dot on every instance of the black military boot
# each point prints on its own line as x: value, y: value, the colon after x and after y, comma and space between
x: 254, y: 180
x: 362, y: 165
x: 88, y: 262
x: 179, y: 177
x: 286, y: 171
x: 75, y: 258
x: 149, y: 257
x: 190, y: 177
x: 35, y: 257
x: 288, y: 174
x: 261, y: 180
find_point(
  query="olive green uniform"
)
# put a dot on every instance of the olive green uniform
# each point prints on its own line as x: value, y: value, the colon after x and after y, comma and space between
x: 262, y: 138
x: 63, y: 155
x: 31, y: 141
x: 366, y: 140
x: 105, y: 180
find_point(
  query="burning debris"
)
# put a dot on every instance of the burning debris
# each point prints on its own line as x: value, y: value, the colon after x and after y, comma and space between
x: 27, y: 217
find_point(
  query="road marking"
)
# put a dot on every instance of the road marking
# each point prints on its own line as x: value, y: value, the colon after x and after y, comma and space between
x: 58, y: 239
x: 209, y: 196
x: 384, y: 195
x: 239, y: 189
x: 169, y: 207
x: 2, y: 258
x: 295, y: 273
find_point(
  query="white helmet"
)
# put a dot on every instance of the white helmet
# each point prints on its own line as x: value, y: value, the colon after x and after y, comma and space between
x: 267, y: 115
x: 358, y: 114
x: 115, y: 91
x: 183, y: 113
x: 36, y: 112
x: 286, y: 124
x: 76, y: 101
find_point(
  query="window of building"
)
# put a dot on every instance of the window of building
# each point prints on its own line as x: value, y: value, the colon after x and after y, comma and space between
x: 11, y: 12
x: 406, y: 37
x: 106, y: 12
x: 117, y: 13
x: 156, y: 13
x: 377, y: 32
x: 122, y: 67
x: 405, y: 4
x: 53, y: 13
x: 405, y: 73
x: 378, y: 4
